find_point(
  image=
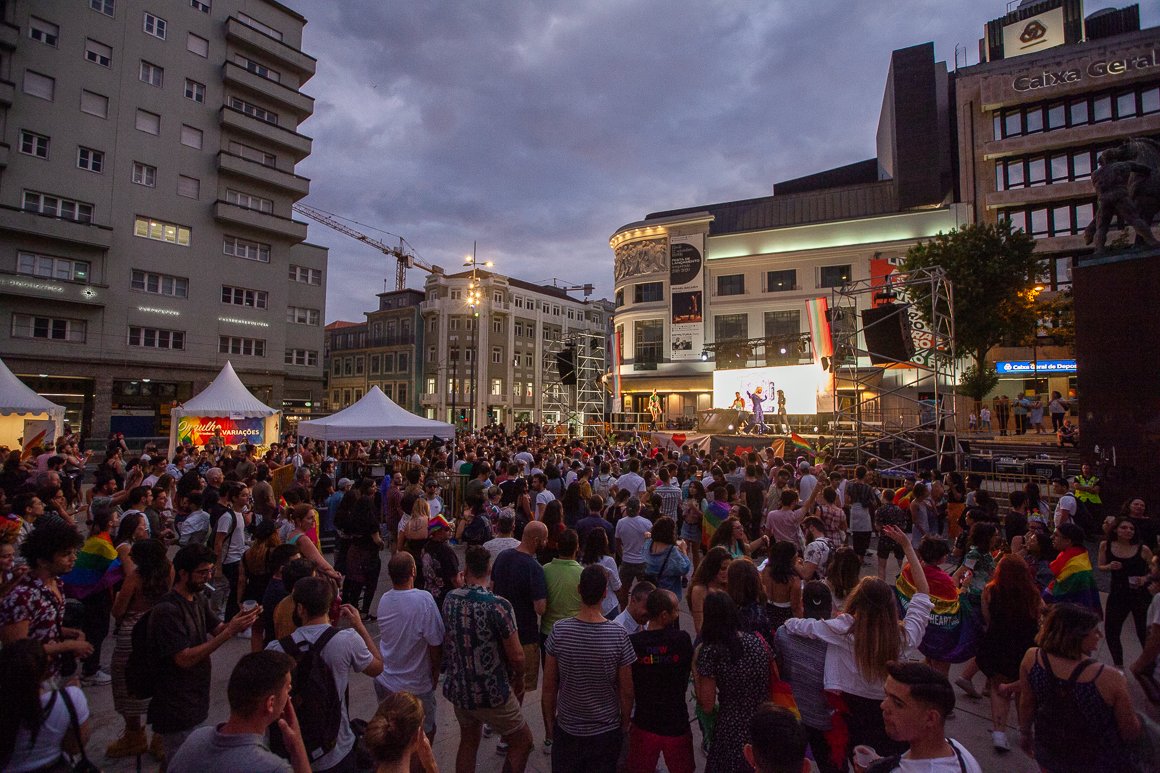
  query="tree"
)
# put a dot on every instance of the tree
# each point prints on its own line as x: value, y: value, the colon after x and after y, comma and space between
x: 992, y: 273
x: 977, y: 382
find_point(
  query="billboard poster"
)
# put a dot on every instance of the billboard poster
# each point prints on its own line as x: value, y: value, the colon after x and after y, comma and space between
x: 37, y: 433
x: 686, y: 296
x: 881, y: 271
x: 201, y: 430
x: 1035, y: 33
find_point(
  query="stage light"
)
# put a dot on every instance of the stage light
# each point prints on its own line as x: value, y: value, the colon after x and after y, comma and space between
x: 815, y: 430
x: 704, y: 355
x: 783, y: 350
x: 825, y: 363
x: 730, y: 428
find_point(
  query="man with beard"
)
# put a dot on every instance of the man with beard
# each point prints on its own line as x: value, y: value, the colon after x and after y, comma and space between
x: 182, y: 634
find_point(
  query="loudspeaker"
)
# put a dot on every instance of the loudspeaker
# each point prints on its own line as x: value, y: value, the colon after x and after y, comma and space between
x: 566, y: 366
x: 887, y: 332
x: 720, y: 419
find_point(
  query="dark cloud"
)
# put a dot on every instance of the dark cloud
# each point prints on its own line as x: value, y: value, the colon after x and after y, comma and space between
x: 538, y: 128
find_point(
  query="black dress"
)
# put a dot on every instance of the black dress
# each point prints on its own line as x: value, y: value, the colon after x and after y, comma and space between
x: 1007, y: 639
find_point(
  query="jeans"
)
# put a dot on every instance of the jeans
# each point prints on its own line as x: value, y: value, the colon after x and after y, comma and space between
x: 585, y: 754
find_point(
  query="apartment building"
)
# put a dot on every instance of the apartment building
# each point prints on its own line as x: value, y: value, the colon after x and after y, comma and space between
x: 147, y: 174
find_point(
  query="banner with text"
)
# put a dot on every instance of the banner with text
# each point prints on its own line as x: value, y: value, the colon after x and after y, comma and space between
x: 686, y: 296
x: 200, y: 430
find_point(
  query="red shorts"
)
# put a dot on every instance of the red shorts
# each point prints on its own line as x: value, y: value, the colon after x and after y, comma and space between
x: 645, y: 748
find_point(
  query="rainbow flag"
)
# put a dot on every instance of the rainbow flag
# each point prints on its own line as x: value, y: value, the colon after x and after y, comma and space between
x: 956, y: 624
x: 799, y: 443
x: 817, y: 316
x: 1074, y: 582
x: 715, y: 514
x: 97, y: 568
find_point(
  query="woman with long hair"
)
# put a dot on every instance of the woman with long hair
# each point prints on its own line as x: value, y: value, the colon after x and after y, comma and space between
x: 596, y: 551
x: 554, y: 520
x: 783, y: 585
x: 665, y: 558
x: 147, y: 578
x: 744, y: 586
x: 1074, y: 714
x: 254, y: 574
x: 1011, y: 607
x: 842, y: 574
x: 574, y: 505
x: 35, y: 727
x: 1122, y: 555
x: 394, y: 736
x: 712, y: 575
x: 862, y: 640
x: 731, y: 535
x: 730, y: 670
x: 692, y: 516
x: 360, y: 524
x: 304, y: 518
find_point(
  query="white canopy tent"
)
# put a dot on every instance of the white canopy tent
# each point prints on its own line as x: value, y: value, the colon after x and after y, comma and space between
x: 375, y: 417
x: 18, y: 404
x: 225, y: 408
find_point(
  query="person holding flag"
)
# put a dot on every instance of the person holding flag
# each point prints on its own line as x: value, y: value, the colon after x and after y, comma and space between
x: 1074, y: 582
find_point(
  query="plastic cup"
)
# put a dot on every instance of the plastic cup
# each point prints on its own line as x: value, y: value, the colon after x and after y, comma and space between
x: 864, y: 756
x: 248, y: 605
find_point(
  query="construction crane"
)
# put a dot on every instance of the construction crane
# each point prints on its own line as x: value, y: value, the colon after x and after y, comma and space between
x: 404, y: 256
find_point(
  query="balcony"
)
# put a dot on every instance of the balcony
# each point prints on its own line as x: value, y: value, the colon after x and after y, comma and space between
x: 290, y: 99
x: 9, y: 36
x: 88, y: 234
x: 262, y: 221
x: 244, y: 35
x: 297, y: 144
x: 267, y: 175
x: 7, y: 93
x: 429, y: 397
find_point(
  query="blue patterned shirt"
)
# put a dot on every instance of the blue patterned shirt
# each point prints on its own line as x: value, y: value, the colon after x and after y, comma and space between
x: 477, y: 623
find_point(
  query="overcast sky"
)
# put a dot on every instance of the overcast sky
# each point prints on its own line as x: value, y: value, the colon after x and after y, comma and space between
x: 539, y: 128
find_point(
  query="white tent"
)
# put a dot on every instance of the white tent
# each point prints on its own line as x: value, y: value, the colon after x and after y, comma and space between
x: 224, y: 408
x: 375, y: 417
x: 18, y: 404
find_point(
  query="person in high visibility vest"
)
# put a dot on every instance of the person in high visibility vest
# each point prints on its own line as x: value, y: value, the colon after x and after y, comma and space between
x: 1087, y: 494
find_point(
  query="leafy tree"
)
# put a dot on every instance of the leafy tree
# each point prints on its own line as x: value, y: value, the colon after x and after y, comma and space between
x: 976, y: 383
x: 991, y: 269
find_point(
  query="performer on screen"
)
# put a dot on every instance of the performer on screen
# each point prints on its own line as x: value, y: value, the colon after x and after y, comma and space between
x: 738, y: 402
x: 782, y: 418
x: 758, y: 420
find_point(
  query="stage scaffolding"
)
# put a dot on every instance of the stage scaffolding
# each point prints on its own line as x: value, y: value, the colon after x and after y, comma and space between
x: 580, y: 407
x: 900, y: 412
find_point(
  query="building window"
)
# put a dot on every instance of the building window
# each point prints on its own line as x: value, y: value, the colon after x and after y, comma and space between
x: 648, y: 339
x: 200, y: 5
x: 51, y: 267
x: 94, y: 104
x: 1078, y: 111
x: 647, y: 292
x: 254, y: 111
x: 497, y: 387
x: 243, y: 248
x: 249, y: 347
x: 148, y: 228
x: 1057, y: 219
x: 730, y: 327
x: 303, y: 316
x: 55, y: 206
x: 102, y: 6
x: 50, y: 328
x: 374, y: 364
x: 249, y: 201
x: 156, y: 338
x: 259, y: 26
x: 37, y: 85
x: 733, y: 284
x: 527, y: 360
x: 241, y: 296
x: 152, y: 74
x: 783, y: 325
x: 497, y: 326
x: 780, y: 281
x: 90, y: 160
x: 147, y: 122
x: 98, y: 53
x: 307, y: 357
x: 159, y: 284
x: 833, y: 276
x: 144, y: 174
x: 33, y: 144
x: 309, y: 276
x: 401, y: 394
x: 196, y: 44
x: 454, y: 324
x: 155, y: 26
x: 43, y: 31
x: 496, y: 355
x: 359, y: 366
x: 253, y: 154
x: 191, y: 137
x: 194, y: 90
x: 257, y: 68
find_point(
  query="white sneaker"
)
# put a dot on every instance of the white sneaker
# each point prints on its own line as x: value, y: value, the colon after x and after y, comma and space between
x: 999, y: 741
x: 99, y: 679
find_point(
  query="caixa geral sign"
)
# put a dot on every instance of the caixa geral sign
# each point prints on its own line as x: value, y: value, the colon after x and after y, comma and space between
x: 1010, y: 367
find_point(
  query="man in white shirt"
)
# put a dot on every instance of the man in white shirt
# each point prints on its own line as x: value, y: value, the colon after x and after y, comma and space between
x: 807, y: 482
x: 1067, y: 505
x: 543, y: 496
x: 818, y: 549
x: 635, y: 616
x: 410, y: 639
x: 630, y: 537
x: 505, y: 526
x: 631, y: 481
x: 349, y: 650
x: 918, y: 700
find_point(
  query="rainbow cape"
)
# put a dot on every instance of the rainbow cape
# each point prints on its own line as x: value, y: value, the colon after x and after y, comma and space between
x: 1074, y: 582
x: 956, y: 622
x: 800, y: 443
x: 98, y: 567
x: 715, y: 514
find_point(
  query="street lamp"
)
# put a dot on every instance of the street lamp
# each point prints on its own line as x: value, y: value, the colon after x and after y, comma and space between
x: 474, y: 301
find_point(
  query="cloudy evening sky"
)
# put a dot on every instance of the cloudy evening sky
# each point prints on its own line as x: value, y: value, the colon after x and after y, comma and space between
x: 538, y: 128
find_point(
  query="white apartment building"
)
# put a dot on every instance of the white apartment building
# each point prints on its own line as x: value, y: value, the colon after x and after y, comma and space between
x: 496, y: 364
x: 147, y: 174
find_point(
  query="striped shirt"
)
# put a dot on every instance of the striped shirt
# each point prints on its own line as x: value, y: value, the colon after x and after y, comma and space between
x: 589, y: 656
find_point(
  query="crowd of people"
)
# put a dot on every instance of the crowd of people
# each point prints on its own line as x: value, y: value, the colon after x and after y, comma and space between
x: 522, y: 564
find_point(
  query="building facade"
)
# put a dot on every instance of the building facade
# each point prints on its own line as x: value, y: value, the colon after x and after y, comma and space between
x: 496, y: 363
x: 147, y: 175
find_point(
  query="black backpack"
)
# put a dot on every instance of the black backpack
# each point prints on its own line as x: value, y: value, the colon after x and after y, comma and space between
x: 314, y: 696
x: 478, y: 531
x: 141, y: 669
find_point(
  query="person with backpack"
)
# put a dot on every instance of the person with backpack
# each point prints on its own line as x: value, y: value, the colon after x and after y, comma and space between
x: 326, y: 656
x: 171, y: 647
x: 230, y: 540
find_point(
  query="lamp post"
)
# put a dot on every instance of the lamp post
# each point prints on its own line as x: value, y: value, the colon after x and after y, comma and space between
x: 475, y: 301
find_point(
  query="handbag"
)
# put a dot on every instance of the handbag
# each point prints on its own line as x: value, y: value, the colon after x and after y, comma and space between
x: 84, y: 765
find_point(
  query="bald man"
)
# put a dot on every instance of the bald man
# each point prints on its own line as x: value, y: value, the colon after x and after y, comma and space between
x: 518, y: 577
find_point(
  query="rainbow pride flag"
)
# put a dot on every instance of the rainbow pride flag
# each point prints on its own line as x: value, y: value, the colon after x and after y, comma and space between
x: 97, y: 568
x: 715, y: 514
x: 956, y: 624
x: 1074, y: 581
x: 799, y: 443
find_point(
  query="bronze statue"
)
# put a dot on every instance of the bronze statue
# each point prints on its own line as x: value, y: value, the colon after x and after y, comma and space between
x: 1127, y: 184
